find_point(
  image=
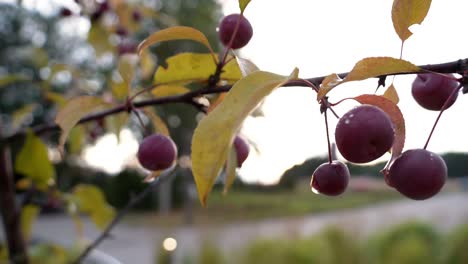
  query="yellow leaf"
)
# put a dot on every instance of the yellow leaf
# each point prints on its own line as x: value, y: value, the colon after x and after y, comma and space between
x: 22, y: 114
x: 231, y: 166
x: 57, y: 98
x: 243, y: 4
x: 126, y: 68
x: 371, y: 67
x: 391, y: 94
x: 77, y: 139
x: 120, y: 90
x: 33, y: 161
x: 98, y: 36
x: 190, y: 67
x: 175, y: 33
x: 169, y: 90
x: 158, y: 124
x: 246, y: 66
x: 406, y: 13
x: 73, y: 111
x: 330, y: 82
x: 215, y: 133
x: 91, y: 201
x: 216, y: 102
x: 147, y: 64
x: 29, y: 214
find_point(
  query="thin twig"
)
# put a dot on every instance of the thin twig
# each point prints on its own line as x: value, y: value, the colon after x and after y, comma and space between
x: 134, y: 201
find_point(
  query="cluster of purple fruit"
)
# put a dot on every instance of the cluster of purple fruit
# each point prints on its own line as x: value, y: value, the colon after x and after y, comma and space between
x: 366, y: 132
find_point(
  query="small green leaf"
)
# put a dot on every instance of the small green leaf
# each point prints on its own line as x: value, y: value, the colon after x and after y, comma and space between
x: 368, y: 68
x: 243, y: 4
x: 29, y: 215
x: 33, y: 161
x: 90, y: 200
x: 175, y: 33
x: 231, y: 166
x: 215, y: 133
x: 406, y: 13
x: 73, y: 111
x: 191, y: 67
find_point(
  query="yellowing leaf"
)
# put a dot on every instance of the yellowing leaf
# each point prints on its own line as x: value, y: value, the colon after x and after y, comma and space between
x: 98, y: 36
x: 190, y: 67
x: 77, y: 138
x: 368, y: 68
x: 243, y: 4
x: 29, y: 215
x: 175, y: 33
x: 33, y: 161
x: 231, y: 166
x: 246, y: 66
x: 120, y: 90
x: 406, y: 13
x: 73, y: 111
x: 391, y: 94
x: 215, y: 133
x: 158, y: 124
x: 91, y: 201
x: 169, y: 90
x: 57, y: 98
x: 126, y: 67
x: 395, y: 115
x: 327, y: 84
x: 147, y: 64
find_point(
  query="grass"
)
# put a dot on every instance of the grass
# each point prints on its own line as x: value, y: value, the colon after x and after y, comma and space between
x: 241, y: 206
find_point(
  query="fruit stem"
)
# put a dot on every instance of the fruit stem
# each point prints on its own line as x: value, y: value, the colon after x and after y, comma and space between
x: 228, y: 47
x: 440, y: 113
x: 328, y: 137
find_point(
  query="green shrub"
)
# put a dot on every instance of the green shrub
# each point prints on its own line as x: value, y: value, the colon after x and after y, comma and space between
x: 456, y: 246
x: 210, y: 254
x: 342, y: 247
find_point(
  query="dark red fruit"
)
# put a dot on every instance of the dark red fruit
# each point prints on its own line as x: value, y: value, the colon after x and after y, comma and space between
x: 418, y: 174
x: 242, y: 150
x: 65, y: 12
x: 330, y: 178
x: 100, y: 10
x: 126, y: 47
x: 364, y: 134
x: 121, y: 31
x: 157, y: 152
x: 432, y: 90
x: 136, y: 15
x: 226, y: 30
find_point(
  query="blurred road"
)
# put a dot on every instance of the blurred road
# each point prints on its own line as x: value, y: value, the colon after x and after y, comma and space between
x: 140, y: 244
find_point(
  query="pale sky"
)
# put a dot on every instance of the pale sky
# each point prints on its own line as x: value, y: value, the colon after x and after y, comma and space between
x: 323, y: 37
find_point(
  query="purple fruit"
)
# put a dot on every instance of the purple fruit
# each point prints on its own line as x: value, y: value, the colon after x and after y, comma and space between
x: 418, y: 174
x: 226, y: 30
x: 157, y: 152
x: 364, y: 134
x: 432, y: 90
x: 330, y: 178
x: 242, y: 150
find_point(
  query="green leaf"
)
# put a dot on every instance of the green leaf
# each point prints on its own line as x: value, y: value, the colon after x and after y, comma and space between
x: 91, y: 201
x: 395, y: 115
x: 406, y: 13
x: 365, y: 69
x: 33, y: 161
x: 191, y: 67
x: 215, y: 133
x: 243, y: 4
x: 175, y: 33
x: 231, y: 166
x: 13, y: 78
x: 73, y: 111
x: 29, y: 215
x: 391, y: 94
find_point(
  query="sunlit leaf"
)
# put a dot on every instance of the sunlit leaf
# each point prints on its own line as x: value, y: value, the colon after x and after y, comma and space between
x: 33, y: 161
x: 158, y: 124
x: 29, y: 215
x: 169, y: 90
x: 231, y: 165
x: 175, y: 33
x: 13, y: 78
x: 243, y: 4
x: 406, y: 13
x: 391, y: 94
x: 215, y: 133
x: 190, y: 67
x: 369, y: 68
x: 147, y: 64
x: 73, y: 111
x: 246, y: 66
x: 22, y: 114
x: 395, y: 115
x: 90, y: 200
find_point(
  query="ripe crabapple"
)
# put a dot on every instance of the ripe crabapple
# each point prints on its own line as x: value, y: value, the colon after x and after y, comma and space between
x: 364, y: 134
x: 418, y: 174
x: 431, y: 90
x: 157, y: 152
x: 330, y: 178
x: 242, y: 150
x: 227, y: 27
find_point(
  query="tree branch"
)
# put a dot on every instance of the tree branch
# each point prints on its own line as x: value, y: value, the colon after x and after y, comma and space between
x: 458, y: 66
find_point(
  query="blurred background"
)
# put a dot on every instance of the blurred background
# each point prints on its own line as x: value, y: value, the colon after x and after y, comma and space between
x: 53, y: 50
